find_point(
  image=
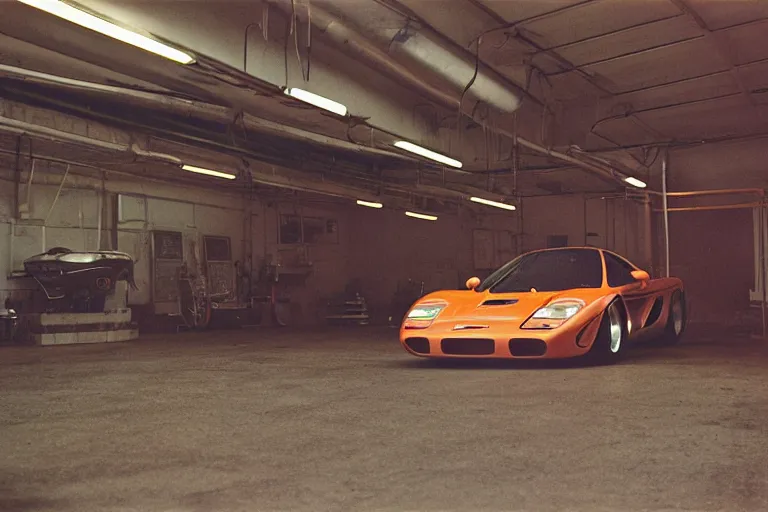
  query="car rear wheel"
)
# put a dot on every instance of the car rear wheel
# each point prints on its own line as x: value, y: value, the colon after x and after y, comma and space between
x: 610, y: 342
x: 677, y: 319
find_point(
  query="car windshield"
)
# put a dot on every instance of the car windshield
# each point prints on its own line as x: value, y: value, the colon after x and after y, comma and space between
x: 548, y: 271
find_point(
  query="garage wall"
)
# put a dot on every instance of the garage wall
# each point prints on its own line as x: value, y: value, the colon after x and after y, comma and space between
x: 389, y: 248
x: 613, y: 223
x: 714, y: 250
x: 143, y: 207
x: 731, y: 165
x: 381, y: 248
x: 323, y: 266
x: 73, y: 221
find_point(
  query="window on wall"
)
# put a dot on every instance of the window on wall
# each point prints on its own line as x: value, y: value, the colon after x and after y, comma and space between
x: 217, y: 248
x: 297, y: 229
x: 290, y: 229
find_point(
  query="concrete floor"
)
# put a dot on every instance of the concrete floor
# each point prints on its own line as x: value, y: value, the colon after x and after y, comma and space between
x: 345, y: 420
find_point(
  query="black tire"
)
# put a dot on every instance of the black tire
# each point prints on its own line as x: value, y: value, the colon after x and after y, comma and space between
x: 604, y: 350
x: 674, y: 331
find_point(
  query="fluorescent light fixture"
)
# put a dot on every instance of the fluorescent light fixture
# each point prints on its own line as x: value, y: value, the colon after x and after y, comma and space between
x: 426, y: 153
x: 317, y: 100
x: 208, y: 172
x: 488, y: 202
x: 421, y: 216
x: 635, y: 182
x: 96, y: 24
x: 369, y: 204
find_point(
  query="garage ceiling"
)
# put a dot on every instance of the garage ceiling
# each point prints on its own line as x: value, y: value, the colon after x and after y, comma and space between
x: 599, y: 74
x: 671, y: 69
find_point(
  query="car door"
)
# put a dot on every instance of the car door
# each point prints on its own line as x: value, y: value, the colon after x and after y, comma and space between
x: 638, y: 299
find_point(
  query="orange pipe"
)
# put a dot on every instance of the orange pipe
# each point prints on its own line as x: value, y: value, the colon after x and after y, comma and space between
x: 714, y: 192
x: 703, y: 208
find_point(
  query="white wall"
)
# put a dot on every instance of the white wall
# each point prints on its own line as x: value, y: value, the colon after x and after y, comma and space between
x: 147, y: 206
x: 715, y: 250
x: 380, y: 247
x: 73, y: 221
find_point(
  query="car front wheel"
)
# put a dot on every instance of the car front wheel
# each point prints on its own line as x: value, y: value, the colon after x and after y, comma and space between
x: 610, y: 342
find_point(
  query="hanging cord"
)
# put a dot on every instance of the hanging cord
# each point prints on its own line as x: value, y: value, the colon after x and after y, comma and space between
x: 245, y: 46
x: 309, y: 37
x: 469, y: 85
x: 295, y: 31
x: 285, y: 50
x: 58, y: 193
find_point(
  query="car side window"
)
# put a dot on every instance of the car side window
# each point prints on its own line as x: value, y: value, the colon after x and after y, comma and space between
x: 618, y: 272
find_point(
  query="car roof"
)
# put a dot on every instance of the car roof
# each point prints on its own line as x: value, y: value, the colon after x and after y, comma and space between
x: 599, y: 249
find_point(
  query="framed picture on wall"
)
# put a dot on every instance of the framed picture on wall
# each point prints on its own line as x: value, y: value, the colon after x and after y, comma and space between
x: 217, y: 248
x: 298, y: 229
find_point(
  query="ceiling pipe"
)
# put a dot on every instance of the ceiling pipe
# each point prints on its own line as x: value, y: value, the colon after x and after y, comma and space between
x: 20, y: 127
x: 422, y: 47
x: 594, y: 168
x: 415, y: 44
x: 275, y: 179
x: 193, y: 108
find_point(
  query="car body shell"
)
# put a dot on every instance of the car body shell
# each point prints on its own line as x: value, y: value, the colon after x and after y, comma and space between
x: 466, y: 326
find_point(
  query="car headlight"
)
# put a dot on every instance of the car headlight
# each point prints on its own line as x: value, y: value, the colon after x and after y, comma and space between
x: 422, y: 315
x: 554, y: 315
x: 79, y: 258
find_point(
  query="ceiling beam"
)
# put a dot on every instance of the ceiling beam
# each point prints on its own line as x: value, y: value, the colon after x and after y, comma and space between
x: 549, y: 14
x: 719, y: 46
x: 692, y: 79
x: 633, y: 115
x: 522, y: 37
x: 487, y: 10
x: 680, y: 145
x: 628, y: 54
x: 598, y: 37
x: 591, y: 39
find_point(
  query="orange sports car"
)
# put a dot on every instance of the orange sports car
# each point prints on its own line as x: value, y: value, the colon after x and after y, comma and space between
x: 553, y: 303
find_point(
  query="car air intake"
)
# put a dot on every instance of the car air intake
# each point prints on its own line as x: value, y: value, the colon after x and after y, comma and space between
x: 500, y: 302
x: 655, y: 312
x: 468, y: 346
x: 527, y: 347
x: 418, y: 345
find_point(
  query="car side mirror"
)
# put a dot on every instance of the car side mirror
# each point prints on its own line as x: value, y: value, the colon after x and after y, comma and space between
x: 641, y: 275
x: 472, y: 283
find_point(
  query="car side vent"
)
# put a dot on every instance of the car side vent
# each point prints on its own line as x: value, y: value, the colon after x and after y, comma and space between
x: 500, y: 302
x: 655, y: 313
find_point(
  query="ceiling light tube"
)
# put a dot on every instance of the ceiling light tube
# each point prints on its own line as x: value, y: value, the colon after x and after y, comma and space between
x: 421, y: 216
x: 427, y: 153
x: 208, y: 172
x: 635, y: 182
x: 317, y: 100
x: 89, y: 21
x: 488, y: 202
x: 369, y: 204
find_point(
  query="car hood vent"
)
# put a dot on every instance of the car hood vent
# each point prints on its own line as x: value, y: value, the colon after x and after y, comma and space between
x: 500, y: 302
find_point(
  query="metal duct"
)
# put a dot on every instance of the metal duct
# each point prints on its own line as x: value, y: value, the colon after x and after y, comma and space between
x: 454, y: 68
x: 423, y: 48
